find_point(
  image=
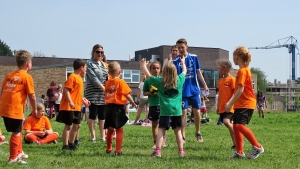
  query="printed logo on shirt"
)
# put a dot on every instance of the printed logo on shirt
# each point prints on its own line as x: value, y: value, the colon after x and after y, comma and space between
x: 12, y: 82
x: 110, y: 92
x: 170, y: 93
x: 226, y: 84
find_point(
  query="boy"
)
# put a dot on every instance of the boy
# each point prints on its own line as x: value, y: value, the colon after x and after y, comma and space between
x: 70, y: 105
x: 16, y: 87
x: 117, y: 92
x: 191, y: 88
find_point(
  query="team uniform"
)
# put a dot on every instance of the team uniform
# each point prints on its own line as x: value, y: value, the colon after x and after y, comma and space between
x: 38, y: 124
x: 66, y: 114
x: 226, y: 88
x: 154, y: 106
x: 191, y: 89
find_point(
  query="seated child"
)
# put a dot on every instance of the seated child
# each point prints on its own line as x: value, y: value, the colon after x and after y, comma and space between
x: 38, y: 128
x: 2, y: 138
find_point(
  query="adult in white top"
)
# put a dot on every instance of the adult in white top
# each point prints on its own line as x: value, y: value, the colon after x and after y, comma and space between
x: 143, y: 102
x: 57, y: 97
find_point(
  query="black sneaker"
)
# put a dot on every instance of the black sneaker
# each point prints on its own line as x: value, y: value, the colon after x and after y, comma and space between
x: 109, y: 151
x: 72, y: 146
x: 263, y: 116
x: 65, y: 147
x: 199, y: 137
x: 77, y: 143
x: 119, y: 154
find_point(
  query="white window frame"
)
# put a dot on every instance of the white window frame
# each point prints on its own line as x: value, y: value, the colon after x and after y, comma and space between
x: 70, y: 70
x: 274, y: 106
x: 129, y: 79
x: 253, y: 85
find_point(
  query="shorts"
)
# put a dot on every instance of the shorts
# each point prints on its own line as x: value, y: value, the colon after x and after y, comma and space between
x: 57, y: 107
x: 203, y: 109
x: 83, y: 109
x: 13, y: 125
x: 69, y: 117
x: 97, y: 110
x: 167, y: 121
x: 154, y: 112
x: 115, y: 116
x: 242, y: 116
x: 261, y: 105
x: 225, y: 115
x: 143, y: 102
x: 192, y: 100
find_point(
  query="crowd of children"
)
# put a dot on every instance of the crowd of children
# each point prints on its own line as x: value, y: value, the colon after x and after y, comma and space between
x: 169, y: 93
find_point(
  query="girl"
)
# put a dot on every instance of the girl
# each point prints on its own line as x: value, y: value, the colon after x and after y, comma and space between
x: 261, y: 103
x: 143, y: 102
x: 244, y: 104
x: 226, y: 87
x: 150, y: 90
x: 170, y: 97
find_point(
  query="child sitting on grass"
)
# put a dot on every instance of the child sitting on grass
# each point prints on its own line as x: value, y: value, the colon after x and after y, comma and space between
x: 170, y: 97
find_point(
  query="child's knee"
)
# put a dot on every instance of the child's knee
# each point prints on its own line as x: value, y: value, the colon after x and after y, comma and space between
x: 2, y: 138
x: 68, y: 127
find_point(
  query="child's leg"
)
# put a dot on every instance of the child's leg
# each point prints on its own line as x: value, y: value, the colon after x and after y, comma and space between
x: 20, y: 148
x: 73, y: 133
x: 91, y: 124
x: 65, y: 136
x: 248, y: 134
x: 49, y: 138
x: 109, y: 139
x: 238, y: 139
x: 31, y: 137
x: 119, y: 140
x: 179, y: 140
x: 159, y: 138
x: 138, y: 115
x: 147, y: 113
x: 228, y: 124
x: 154, y: 130
x: 183, y: 120
x: 101, y: 129
x: 14, y: 145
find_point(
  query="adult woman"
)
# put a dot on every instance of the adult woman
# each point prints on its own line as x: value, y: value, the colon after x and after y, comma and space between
x: 261, y: 103
x: 97, y: 75
x: 51, y: 98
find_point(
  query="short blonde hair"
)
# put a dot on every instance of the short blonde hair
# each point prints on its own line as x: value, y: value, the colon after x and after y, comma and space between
x: 224, y: 63
x: 40, y: 106
x: 113, y: 67
x: 181, y: 40
x: 243, y: 53
x: 22, y: 57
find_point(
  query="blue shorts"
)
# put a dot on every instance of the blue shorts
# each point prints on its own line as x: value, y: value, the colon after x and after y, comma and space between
x: 194, y: 101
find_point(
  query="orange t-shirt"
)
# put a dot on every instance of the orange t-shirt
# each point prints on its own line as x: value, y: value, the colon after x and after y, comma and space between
x: 226, y: 88
x: 75, y: 85
x: 115, y: 91
x: 16, y: 87
x: 247, y: 98
x: 34, y: 124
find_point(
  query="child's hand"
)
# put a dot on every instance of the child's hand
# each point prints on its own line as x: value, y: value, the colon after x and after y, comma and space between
x: 86, y: 102
x: 72, y: 105
x: 228, y: 107
x: 143, y: 62
x: 40, y: 133
x: 182, y: 59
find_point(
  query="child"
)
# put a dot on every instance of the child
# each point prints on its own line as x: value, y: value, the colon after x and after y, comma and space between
x: 154, y: 110
x: 16, y: 87
x: 2, y: 138
x: 57, y: 97
x: 244, y: 104
x: 117, y: 92
x: 70, y: 105
x: 226, y: 87
x: 203, y: 107
x: 38, y: 128
x: 42, y: 99
x: 170, y: 98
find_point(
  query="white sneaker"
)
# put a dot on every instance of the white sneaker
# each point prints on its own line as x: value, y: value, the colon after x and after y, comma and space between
x: 256, y: 152
x: 237, y: 155
x: 22, y: 155
x: 3, y: 142
x: 16, y: 160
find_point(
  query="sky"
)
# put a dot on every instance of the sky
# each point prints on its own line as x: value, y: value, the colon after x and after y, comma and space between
x: 70, y: 28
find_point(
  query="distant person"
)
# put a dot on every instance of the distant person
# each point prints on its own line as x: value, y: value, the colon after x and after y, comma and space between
x: 174, y: 53
x: 219, y: 122
x: 51, y: 98
x: 58, y: 96
x: 261, y: 103
x: 12, y: 103
x: 42, y: 99
x: 203, y: 109
x: 244, y: 104
x: 143, y: 102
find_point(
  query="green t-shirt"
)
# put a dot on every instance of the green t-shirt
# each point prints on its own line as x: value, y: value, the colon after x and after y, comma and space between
x: 170, y: 99
x: 153, y: 100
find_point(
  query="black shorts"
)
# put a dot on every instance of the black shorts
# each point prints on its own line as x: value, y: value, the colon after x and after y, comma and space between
x: 83, y: 110
x: 242, y: 116
x: 154, y: 112
x: 97, y: 110
x: 13, y: 125
x: 115, y: 116
x: 167, y: 121
x: 57, y: 107
x: 69, y: 117
x: 225, y: 115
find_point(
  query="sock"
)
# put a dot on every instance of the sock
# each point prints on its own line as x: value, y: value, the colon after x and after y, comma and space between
x: 31, y: 138
x: 49, y: 138
x: 119, y: 140
x: 238, y: 138
x: 248, y: 134
x: 20, y: 148
x: 13, y: 146
x: 109, y: 138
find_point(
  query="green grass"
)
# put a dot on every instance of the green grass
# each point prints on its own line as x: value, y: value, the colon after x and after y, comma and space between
x: 278, y: 132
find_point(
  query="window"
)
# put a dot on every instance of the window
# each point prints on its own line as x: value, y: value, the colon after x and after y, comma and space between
x: 274, y: 106
x: 211, y: 78
x: 70, y: 70
x: 130, y: 76
x: 253, y: 85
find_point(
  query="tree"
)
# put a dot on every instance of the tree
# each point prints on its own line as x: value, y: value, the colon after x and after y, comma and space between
x: 297, y: 80
x: 297, y: 102
x: 271, y: 100
x: 261, y: 79
x: 5, y: 49
x: 38, y: 54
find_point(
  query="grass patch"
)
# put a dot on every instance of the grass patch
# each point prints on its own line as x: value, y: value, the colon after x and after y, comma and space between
x: 277, y: 132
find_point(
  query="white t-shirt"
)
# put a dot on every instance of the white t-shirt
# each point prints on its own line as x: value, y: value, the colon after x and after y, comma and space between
x: 59, y: 98
x: 217, y: 97
x: 141, y: 86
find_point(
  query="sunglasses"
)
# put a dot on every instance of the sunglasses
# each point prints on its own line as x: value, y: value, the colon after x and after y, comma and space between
x: 101, y: 52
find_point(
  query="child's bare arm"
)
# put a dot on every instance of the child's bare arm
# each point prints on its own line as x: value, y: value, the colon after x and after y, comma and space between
x: 234, y: 97
x: 201, y: 78
x: 182, y: 61
x: 143, y: 64
x: 129, y: 98
x: 32, y: 100
x: 68, y: 96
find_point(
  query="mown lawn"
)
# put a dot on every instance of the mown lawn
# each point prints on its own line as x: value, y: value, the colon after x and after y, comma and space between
x: 278, y: 133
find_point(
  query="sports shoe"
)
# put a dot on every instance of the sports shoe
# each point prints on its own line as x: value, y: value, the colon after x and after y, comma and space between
x: 156, y: 153
x: 256, y: 152
x: 77, y: 143
x: 22, y: 155
x: 118, y: 154
x: 263, y: 116
x: 164, y: 142
x: 65, y: 147
x: 36, y: 142
x: 109, y: 151
x: 181, y: 153
x: 54, y: 141
x: 199, y: 137
x: 16, y: 160
x: 102, y: 139
x: 93, y: 140
x: 237, y: 155
x: 3, y: 142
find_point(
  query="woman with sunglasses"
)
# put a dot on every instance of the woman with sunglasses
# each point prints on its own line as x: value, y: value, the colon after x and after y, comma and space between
x: 96, y: 76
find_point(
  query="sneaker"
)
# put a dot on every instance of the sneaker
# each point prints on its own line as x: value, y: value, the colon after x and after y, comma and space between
x: 16, y: 160
x: 164, y: 142
x: 263, y: 116
x: 256, y: 152
x: 156, y: 153
x: 72, y: 146
x: 109, y: 151
x: 65, y: 147
x: 93, y: 140
x: 181, y: 153
x: 119, y: 154
x: 199, y: 137
x: 77, y: 143
x: 233, y: 147
x: 102, y: 139
x: 3, y: 142
x: 36, y: 142
x: 22, y: 155
x: 54, y: 141
x: 237, y: 155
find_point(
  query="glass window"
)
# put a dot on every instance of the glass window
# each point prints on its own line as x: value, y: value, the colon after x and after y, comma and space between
x: 127, y: 73
x: 211, y: 78
x: 69, y: 71
x: 130, y: 76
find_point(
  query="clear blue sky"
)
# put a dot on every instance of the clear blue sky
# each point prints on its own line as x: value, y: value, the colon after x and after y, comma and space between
x: 70, y: 28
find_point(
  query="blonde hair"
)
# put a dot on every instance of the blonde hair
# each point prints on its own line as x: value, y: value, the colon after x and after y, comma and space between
x: 224, y: 63
x: 40, y: 106
x: 113, y: 67
x: 169, y: 75
x: 22, y: 57
x: 181, y: 40
x: 243, y: 53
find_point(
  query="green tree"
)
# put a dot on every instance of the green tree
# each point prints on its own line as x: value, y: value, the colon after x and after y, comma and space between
x: 271, y: 100
x: 261, y: 79
x: 5, y: 49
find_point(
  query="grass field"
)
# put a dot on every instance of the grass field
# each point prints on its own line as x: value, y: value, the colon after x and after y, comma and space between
x: 278, y: 133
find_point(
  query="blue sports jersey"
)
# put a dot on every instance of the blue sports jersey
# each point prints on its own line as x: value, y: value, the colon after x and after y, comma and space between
x: 191, y: 86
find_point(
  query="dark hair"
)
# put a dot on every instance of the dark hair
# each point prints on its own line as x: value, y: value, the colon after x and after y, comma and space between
x: 53, y: 83
x: 174, y: 46
x: 104, y: 58
x: 78, y: 63
x: 43, y: 96
x: 95, y: 47
x: 259, y: 92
